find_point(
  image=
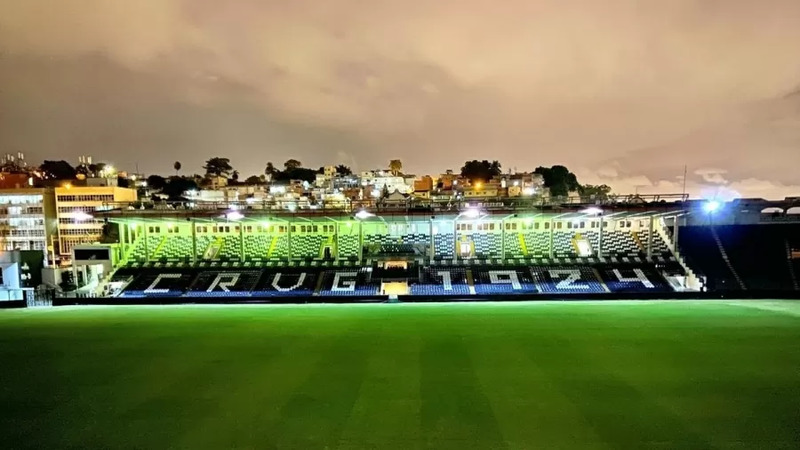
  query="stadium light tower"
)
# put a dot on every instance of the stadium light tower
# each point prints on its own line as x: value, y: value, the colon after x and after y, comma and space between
x: 363, y: 214
x: 592, y: 211
x: 711, y: 206
x: 472, y: 213
x: 234, y: 215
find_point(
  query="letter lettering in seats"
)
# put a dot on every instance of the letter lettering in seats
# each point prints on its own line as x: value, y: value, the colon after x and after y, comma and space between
x: 640, y: 278
x: 340, y: 285
x: 567, y: 279
x: 508, y: 277
x: 164, y: 276
x: 232, y: 279
x: 277, y: 280
x: 446, y: 280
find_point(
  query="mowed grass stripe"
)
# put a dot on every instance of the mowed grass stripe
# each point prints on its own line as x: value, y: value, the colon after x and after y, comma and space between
x: 387, y: 411
x: 455, y: 411
x: 530, y: 408
x: 726, y: 386
x: 318, y: 410
x: 250, y: 393
x: 92, y: 393
x: 617, y: 411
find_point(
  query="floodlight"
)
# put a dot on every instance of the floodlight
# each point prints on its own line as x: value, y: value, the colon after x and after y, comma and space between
x: 234, y: 215
x: 364, y: 214
x: 472, y: 213
x: 711, y: 206
x: 592, y: 211
x: 81, y: 216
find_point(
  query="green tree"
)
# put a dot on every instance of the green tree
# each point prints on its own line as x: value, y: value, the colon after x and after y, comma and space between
x: 589, y: 192
x: 559, y: 180
x: 395, y: 166
x: 343, y: 170
x: 177, y: 166
x: 252, y: 180
x: 156, y: 182
x: 480, y: 170
x: 57, y: 170
x: 292, y: 164
x: 218, y: 167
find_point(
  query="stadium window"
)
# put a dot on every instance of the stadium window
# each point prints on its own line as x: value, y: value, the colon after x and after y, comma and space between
x: 629, y: 224
x: 316, y: 228
x: 583, y: 224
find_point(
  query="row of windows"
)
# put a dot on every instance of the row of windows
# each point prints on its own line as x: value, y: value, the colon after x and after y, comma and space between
x: 24, y: 245
x: 79, y: 232
x: 86, y: 198
x: 15, y: 210
x: 74, y: 209
x: 16, y: 232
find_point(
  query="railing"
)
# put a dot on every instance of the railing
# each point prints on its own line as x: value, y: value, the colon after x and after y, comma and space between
x: 388, y: 206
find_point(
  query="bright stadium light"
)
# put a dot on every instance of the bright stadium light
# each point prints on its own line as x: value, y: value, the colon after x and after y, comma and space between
x: 81, y: 216
x: 592, y: 211
x: 711, y: 206
x: 472, y: 213
x: 234, y: 215
x: 364, y: 214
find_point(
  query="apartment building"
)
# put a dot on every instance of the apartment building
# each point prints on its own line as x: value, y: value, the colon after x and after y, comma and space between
x: 75, y: 208
x: 27, y: 220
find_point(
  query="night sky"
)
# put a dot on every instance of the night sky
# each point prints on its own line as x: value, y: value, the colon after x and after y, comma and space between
x: 624, y: 92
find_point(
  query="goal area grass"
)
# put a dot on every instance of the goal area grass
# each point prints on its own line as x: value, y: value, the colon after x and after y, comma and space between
x: 667, y: 374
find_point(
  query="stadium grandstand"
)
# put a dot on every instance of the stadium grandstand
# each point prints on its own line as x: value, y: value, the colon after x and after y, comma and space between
x: 474, y: 252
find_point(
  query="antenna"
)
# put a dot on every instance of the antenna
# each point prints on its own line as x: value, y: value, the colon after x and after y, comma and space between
x: 685, y: 167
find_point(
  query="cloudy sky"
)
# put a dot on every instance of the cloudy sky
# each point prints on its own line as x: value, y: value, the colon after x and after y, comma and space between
x: 624, y: 92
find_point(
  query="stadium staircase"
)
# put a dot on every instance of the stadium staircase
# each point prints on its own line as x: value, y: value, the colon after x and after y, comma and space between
x: 213, y: 249
x: 726, y: 259
x: 692, y: 280
x: 159, y: 247
x: 522, y: 244
x: 789, y: 260
x: 272, y: 246
x: 638, y: 241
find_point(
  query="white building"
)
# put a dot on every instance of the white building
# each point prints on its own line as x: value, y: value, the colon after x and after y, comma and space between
x: 27, y: 220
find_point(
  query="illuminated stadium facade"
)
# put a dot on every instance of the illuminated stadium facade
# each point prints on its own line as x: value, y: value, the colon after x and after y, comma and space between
x: 472, y: 252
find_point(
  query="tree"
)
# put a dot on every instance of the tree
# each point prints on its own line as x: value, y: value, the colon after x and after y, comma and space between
x: 480, y: 170
x: 57, y: 170
x: 176, y: 186
x: 252, y: 180
x: 559, y: 180
x: 235, y: 175
x: 292, y: 164
x: 123, y: 182
x: 156, y: 182
x: 177, y: 166
x: 395, y: 166
x: 589, y: 192
x: 218, y: 167
x: 343, y: 170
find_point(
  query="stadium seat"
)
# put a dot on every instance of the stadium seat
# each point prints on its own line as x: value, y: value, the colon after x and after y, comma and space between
x: 506, y: 280
x: 435, y: 281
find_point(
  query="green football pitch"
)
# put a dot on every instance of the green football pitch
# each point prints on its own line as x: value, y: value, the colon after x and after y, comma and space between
x: 545, y: 375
